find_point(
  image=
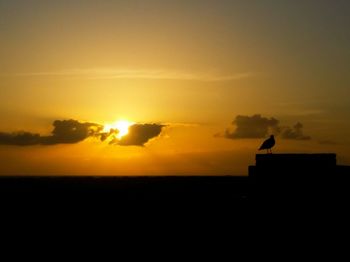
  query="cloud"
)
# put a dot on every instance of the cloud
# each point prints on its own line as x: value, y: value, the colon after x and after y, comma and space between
x: 254, y: 126
x: 257, y: 126
x: 73, y: 131
x: 139, y: 134
x: 111, y: 134
x: 117, y: 73
x: 19, y: 139
x: 64, y: 132
x: 296, y: 132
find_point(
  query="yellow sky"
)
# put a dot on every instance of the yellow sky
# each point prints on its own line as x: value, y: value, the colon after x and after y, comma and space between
x: 193, y: 66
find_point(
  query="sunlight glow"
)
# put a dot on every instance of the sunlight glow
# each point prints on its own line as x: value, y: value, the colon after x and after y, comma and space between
x: 122, y: 126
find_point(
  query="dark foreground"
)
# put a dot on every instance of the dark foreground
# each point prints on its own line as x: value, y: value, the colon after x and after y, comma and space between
x: 128, y: 189
x: 277, y: 181
x: 133, y: 198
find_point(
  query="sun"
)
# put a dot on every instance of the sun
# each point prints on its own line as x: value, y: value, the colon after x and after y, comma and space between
x: 122, y: 126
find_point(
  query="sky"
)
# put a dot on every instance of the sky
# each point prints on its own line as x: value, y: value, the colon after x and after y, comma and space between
x: 199, y: 84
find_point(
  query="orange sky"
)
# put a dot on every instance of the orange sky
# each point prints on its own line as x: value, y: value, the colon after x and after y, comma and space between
x: 189, y: 67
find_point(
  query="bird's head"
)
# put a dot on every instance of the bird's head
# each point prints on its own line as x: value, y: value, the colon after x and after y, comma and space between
x: 272, y: 136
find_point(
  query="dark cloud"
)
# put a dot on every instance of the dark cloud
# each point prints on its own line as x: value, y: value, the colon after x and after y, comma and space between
x: 257, y: 126
x: 105, y: 135
x: 296, y: 132
x: 64, y: 132
x: 19, y: 139
x: 139, y: 134
x: 254, y: 126
x: 72, y: 131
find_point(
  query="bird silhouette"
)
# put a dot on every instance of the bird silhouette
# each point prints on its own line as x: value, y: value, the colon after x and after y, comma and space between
x: 268, y: 144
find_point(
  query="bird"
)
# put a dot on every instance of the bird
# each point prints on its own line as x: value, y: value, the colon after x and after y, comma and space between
x: 268, y: 144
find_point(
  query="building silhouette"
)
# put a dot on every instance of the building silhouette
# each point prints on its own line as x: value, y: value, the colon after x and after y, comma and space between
x: 299, y: 177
